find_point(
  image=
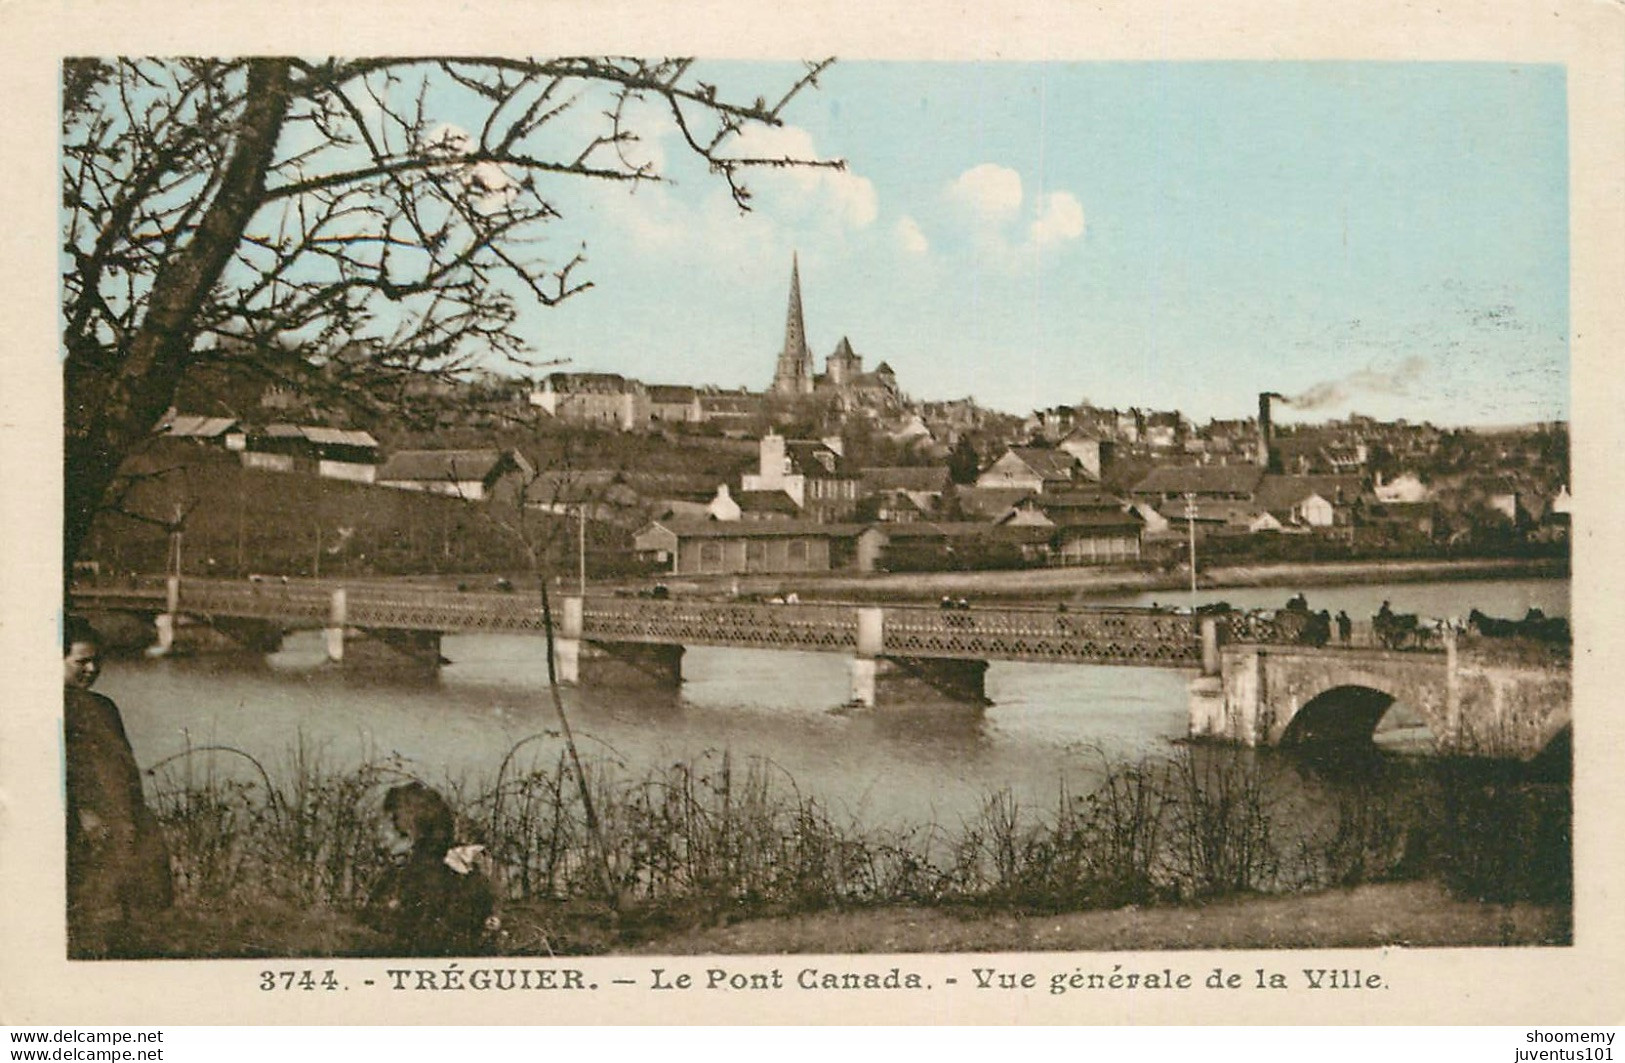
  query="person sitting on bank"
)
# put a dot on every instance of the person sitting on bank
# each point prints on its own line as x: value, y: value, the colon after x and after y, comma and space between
x: 118, y: 863
x: 436, y: 902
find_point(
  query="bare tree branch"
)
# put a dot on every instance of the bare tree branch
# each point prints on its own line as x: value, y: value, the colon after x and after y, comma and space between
x: 336, y: 205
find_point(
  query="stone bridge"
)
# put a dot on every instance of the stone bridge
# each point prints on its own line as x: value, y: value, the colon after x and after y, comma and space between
x: 1479, y: 697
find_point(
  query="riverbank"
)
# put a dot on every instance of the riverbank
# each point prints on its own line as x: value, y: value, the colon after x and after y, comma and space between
x: 1406, y: 914
x: 1061, y: 584
x: 1379, y: 915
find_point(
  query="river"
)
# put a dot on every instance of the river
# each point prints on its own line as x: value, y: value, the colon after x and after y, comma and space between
x: 1048, y: 726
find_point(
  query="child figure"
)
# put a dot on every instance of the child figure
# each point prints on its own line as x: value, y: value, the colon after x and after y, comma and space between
x: 436, y: 902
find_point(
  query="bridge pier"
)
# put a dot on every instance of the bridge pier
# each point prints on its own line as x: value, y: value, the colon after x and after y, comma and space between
x: 887, y: 680
x: 1225, y: 704
x: 630, y: 665
x: 635, y: 665
x: 415, y: 654
x: 180, y: 633
x: 1207, y: 714
x: 414, y: 651
x: 897, y: 682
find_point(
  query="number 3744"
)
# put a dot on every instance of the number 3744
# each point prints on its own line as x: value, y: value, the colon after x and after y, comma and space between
x: 311, y: 981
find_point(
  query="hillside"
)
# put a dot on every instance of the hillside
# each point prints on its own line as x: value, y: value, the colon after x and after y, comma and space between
x: 235, y: 521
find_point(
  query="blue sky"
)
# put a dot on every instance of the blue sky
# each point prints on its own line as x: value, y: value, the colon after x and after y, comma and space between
x: 1384, y: 238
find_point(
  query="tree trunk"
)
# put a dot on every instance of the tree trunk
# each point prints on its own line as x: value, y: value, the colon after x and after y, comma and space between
x: 115, y: 396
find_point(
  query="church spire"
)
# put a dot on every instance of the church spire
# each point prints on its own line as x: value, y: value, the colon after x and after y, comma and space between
x: 794, y: 373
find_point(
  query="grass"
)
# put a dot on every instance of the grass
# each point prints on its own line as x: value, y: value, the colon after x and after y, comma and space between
x: 1159, y: 853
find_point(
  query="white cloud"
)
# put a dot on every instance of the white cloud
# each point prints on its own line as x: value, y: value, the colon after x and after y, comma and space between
x: 850, y: 198
x: 1060, y: 217
x: 909, y: 236
x: 991, y: 191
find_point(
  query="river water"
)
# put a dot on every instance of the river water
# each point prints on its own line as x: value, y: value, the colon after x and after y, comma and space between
x: 1048, y: 726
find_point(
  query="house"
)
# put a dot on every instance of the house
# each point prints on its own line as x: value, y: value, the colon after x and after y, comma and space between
x: 987, y: 503
x: 1562, y: 503
x: 811, y: 472
x: 1310, y: 501
x: 1097, y: 537
x: 1032, y: 469
x: 904, y: 492
x: 1344, y: 458
x: 1218, y: 516
x: 1093, y: 452
x: 1309, y: 450
x: 1509, y: 502
x: 1085, y: 527
x: 606, y: 399
x: 673, y: 404
x: 1213, y: 483
x: 1404, y: 488
x: 601, y: 492
x: 1050, y: 425
x: 474, y: 475
x: 723, y: 507
x: 1155, y: 523
x: 1164, y: 430
x: 219, y: 431
x: 337, y: 453
x: 731, y: 411
x: 1232, y: 436
x: 1053, y: 510
x: 709, y: 547
x: 767, y: 505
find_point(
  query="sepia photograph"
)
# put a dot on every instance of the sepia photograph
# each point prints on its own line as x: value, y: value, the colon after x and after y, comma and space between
x: 876, y: 524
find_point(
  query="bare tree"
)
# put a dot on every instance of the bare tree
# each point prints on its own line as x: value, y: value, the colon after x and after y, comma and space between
x: 387, y: 216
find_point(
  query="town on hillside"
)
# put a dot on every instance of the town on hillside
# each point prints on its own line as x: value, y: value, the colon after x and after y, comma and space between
x: 838, y: 469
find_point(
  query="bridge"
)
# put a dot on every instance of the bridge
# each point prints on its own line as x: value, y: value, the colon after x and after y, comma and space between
x: 1255, y: 683
x: 1479, y: 697
x: 900, y: 652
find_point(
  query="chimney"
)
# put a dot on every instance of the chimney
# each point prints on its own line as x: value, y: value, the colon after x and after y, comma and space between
x: 1267, y: 457
x: 773, y: 460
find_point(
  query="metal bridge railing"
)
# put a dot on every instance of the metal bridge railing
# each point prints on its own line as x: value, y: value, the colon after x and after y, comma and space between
x: 802, y: 626
x: 1112, y: 635
x: 1125, y: 636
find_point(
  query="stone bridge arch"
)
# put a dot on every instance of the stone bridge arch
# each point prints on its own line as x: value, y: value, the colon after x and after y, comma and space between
x: 1347, y: 714
x: 1487, y: 700
x: 1293, y: 695
x: 1317, y: 697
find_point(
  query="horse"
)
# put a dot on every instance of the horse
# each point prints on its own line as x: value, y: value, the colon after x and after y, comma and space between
x: 1396, y: 630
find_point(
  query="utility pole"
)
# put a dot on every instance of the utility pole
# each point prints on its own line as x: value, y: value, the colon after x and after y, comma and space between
x: 1190, y: 527
x: 581, y: 548
x: 175, y: 531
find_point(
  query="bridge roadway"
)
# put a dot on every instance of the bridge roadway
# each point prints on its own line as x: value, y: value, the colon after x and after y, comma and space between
x: 1254, y: 682
x: 1122, y: 636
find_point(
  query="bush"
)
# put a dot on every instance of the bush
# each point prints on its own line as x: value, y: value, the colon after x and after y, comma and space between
x: 711, y: 839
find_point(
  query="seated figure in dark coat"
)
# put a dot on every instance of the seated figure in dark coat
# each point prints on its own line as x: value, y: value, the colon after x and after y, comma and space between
x: 436, y: 902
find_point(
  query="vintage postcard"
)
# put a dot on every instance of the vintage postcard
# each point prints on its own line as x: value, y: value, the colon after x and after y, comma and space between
x: 899, y: 515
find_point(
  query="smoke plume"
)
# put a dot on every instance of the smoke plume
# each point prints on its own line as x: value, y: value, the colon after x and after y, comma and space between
x: 1367, y: 381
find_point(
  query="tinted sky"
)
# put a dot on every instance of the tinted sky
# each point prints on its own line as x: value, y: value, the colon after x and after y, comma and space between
x: 1384, y: 238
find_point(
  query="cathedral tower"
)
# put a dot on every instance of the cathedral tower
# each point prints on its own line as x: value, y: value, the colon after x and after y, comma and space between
x: 794, y: 374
